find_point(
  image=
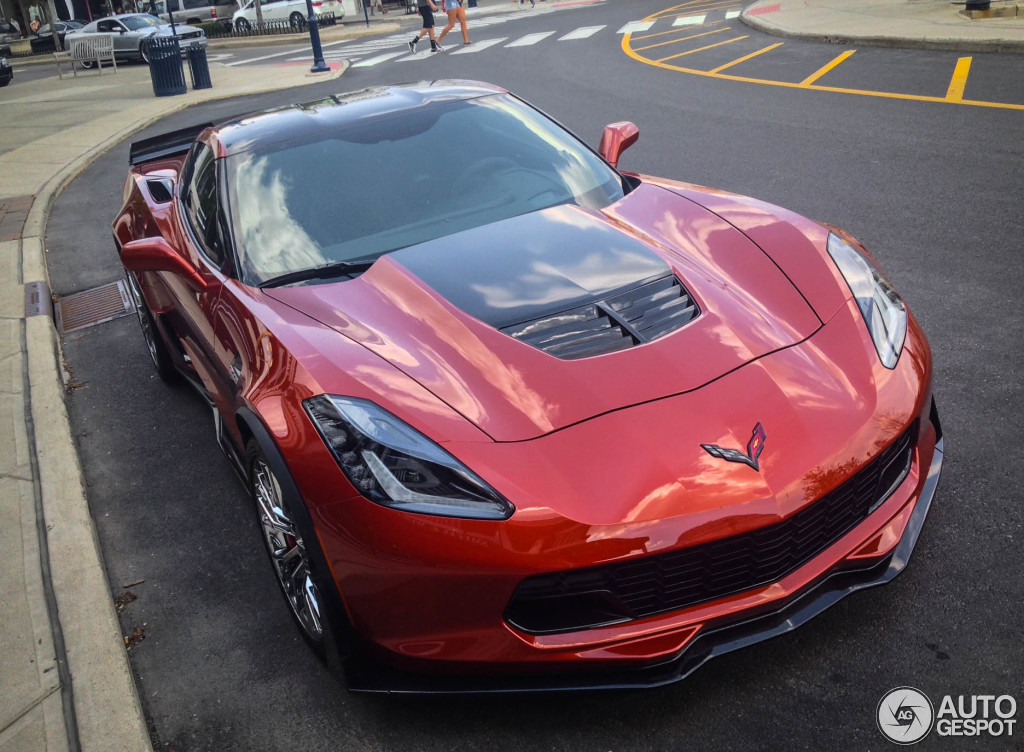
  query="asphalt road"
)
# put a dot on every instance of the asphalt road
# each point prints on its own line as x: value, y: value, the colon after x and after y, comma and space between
x: 933, y: 189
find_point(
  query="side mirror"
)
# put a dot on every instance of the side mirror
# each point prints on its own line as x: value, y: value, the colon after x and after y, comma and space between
x: 616, y: 138
x: 156, y: 255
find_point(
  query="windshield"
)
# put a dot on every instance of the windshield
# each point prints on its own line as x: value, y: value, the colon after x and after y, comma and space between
x: 140, y: 22
x: 399, y: 179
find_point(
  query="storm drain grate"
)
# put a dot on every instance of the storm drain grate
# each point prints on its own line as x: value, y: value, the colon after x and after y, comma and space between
x: 110, y: 301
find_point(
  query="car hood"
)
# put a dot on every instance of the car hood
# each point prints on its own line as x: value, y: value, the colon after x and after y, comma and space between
x: 435, y: 310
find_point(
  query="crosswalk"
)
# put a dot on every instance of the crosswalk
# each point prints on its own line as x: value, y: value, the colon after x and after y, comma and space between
x: 394, y: 48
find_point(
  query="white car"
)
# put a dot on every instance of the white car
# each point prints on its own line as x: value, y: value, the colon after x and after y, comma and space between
x: 292, y: 11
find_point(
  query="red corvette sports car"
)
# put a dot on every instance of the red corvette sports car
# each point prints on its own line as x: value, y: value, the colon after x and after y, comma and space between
x: 512, y: 419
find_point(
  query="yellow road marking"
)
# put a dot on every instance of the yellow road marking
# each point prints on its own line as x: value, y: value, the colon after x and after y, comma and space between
x: 743, y: 59
x: 959, y: 80
x: 673, y: 41
x: 665, y: 12
x: 704, y: 8
x: 628, y: 50
x: 670, y: 31
x: 826, y: 68
x: 701, y: 49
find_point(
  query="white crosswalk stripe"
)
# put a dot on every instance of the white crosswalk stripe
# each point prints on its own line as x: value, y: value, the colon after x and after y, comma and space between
x: 581, y: 33
x: 418, y: 56
x: 731, y: 14
x: 530, y: 39
x: 689, y: 21
x: 379, y: 59
x: 477, y: 46
x: 634, y: 26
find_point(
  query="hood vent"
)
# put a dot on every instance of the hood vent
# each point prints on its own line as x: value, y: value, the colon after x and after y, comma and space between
x: 620, y: 321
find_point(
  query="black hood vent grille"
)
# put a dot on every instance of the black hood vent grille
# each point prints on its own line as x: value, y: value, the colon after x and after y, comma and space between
x: 618, y: 322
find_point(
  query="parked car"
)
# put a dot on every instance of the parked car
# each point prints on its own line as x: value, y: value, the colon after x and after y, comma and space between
x: 6, y: 72
x: 195, y: 11
x: 42, y: 39
x: 131, y: 31
x: 292, y: 11
x: 8, y: 33
x: 553, y: 426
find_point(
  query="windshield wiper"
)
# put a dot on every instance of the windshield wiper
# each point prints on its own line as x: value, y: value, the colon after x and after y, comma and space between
x: 324, y: 271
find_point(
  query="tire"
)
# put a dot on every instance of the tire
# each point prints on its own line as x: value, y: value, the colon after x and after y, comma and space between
x: 297, y: 20
x: 87, y: 64
x: 158, y: 352
x: 243, y: 25
x: 143, y: 54
x: 296, y: 559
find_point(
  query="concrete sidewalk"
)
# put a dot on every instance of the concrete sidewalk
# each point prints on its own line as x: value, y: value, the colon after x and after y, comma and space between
x: 927, y: 24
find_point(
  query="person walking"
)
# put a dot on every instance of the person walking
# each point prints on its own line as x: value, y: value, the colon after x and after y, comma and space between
x: 455, y: 13
x: 427, y: 9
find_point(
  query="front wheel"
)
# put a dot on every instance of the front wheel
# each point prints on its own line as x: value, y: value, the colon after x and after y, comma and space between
x: 87, y: 64
x: 286, y: 546
x: 243, y: 25
x: 297, y: 20
x: 143, y: 53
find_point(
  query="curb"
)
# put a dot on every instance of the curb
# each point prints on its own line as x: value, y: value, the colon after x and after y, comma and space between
x: 106, y: 703
x: 760, y: 23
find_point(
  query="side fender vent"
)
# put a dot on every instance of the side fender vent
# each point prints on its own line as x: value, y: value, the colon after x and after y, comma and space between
x: 161, y: 189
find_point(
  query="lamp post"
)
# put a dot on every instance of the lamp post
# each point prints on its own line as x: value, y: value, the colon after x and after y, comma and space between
x: 319, y: 66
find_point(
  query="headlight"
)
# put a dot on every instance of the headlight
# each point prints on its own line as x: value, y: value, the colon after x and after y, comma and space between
x: 393, y: 464
x: 880, y: 304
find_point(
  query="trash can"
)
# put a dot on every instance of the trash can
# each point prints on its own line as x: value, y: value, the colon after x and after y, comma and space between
x: 165, y: 66
x: 199, y: 67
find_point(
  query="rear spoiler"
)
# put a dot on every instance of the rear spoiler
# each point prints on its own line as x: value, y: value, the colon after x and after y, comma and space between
x: 165, y: 145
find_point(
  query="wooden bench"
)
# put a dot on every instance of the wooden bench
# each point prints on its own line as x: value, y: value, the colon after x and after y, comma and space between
x: 93, y: 49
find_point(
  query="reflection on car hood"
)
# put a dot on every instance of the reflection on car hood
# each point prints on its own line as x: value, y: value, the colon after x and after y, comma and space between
x: 434, y: 310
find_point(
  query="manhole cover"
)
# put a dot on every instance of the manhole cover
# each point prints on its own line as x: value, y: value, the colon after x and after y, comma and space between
x: 94, y: 306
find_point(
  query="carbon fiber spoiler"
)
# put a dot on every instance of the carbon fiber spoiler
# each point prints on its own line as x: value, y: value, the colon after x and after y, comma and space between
x: 165, y: 145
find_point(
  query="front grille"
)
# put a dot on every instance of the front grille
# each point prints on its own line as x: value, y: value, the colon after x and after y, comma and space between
x: 191, y: 35
x: 584, y: 598
x: 640, y: 315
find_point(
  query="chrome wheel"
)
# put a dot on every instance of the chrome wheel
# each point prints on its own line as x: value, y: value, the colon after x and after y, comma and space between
x: 287, y: 551
x: 145, y: 321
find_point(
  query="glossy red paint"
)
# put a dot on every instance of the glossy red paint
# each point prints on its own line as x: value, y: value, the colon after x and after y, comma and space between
x: 601, y: 457
x: 616, y: 138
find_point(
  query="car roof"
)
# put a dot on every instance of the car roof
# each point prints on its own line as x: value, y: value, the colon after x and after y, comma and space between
x: 313, y: 117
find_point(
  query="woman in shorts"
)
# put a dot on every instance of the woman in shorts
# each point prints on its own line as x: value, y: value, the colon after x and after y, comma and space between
x: 455, y: 13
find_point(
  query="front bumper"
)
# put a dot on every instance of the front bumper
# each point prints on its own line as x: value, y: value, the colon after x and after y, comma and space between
x: 366, y: 675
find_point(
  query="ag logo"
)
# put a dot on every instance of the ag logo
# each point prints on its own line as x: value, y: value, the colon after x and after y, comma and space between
x: 905, y: 715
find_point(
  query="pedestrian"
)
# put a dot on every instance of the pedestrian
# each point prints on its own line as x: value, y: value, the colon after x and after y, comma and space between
x: 455, y: 13
x: 15, y: 24
x: 522, y: 3
x: 427, y: 9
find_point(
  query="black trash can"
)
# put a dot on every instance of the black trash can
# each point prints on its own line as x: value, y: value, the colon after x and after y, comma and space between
x: 199, y: 67
x: 165, y: 67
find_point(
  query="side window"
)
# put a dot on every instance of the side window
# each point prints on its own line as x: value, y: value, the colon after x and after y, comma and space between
x: 200, y: 200
x: 192, y: 4
x: 105, y: 26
